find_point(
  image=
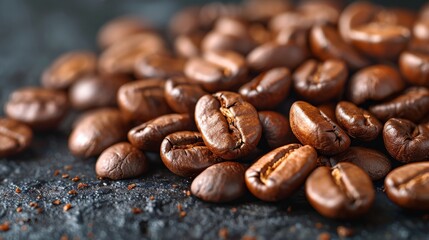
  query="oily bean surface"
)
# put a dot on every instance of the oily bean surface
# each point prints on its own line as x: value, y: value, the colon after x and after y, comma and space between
x: 415, y: 67
x: 188, y: 45
x: 182, y: 95
x: 15, y: 137
x: 158, y: 66
x: 275, y: 130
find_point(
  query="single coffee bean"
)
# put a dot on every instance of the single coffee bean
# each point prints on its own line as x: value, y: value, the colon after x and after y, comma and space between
x: 181, y: 95
x: 343, y: 192
x: 189, y: 45
x: 320, y: 82
x: 222, y: 182
x: 406, y: 141
x: 257, y: 11
x: 39, y: 108
x: 69, y: 68
x: 15, y: 137
x: 143, y: 100
x: 220, y: 70
x: 186, y: 155
x: 314, y: 128
x: 412, y: 105
x: 186, y: 21
x: 279, y: 173
x: 355, y: 14
x: 268, y: 89
x: 229, y: 125
x: 275, y: 130
x: 357, y: 122
x: 376, y: 82
x: 329, y: 110
x: 415, y: 67
x: 217, y: 41
x: 420, y: 30
x: 96, y: 91
x: 294, y: 36
x: 408, y: 186
x: 96, y: 131
x: 149, y: 135
x: 373, y: 162
x: 121, y: 161
x: 158, y: 66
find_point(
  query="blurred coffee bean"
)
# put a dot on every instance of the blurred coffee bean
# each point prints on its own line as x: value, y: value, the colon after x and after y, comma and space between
x: 181, y: 95
x: 415, y: 67
x: 15, y: 137
x: 275, y: 130
x: 189, y: 45
x: 263, y: 11
x: 158, y: 66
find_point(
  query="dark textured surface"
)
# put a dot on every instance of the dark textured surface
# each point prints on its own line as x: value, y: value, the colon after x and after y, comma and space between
x: 32, y: 34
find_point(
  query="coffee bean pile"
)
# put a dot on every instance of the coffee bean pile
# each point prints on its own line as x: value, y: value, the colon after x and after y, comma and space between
x: 211, y: 101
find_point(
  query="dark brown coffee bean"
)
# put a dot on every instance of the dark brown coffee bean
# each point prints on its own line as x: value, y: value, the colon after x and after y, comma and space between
x: 357, y: 122
x: 262, y: 11
x: 344, y: 191
x: 69, y: 68
x: 181, y: 95
x: 374, y: 163
x: 96, y: 91
x: 408, y: 186
x: 268, y: 89
x: 412, y: 105
x: 420, y: 30
x: 353, y: 15
x: 329, y: 110
x: 275, y: 130
x: 415, y: 67
x: 294, y: 36
x: 39, y: 108
x: 96, y: 131
x: 406, y: 141
x: 185, y: 154
x: 229, y: 125
x: 149, y: 135
x: 279, y: 173
x: 189, y: 45
x: 376, y: 82
x: 121, y: 161
x: 222, y: 182
x: 220, y: 70
x: 158, y: 66
x: 186, y: 21
x: 320, y: 82
x: 15, y: 137
x: 143, y: 100
x: 314, y: 128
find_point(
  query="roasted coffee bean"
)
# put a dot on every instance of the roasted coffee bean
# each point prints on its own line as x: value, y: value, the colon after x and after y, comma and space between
x: 412, y: 105
x: 415, y: 67
x: 326, y: 43
x: 420, y: 30
x: 158, y: 66
x: 95, y: 91
x: 220, y: 70
x: 262, y: 11
x: 406, y: 141
x: 376, y: 82
x: 189, y: 45
x: 39, y: 108
x: 121, y: 161
x: 143, y: 100
x: 353, y: 15
x: 314, y: 128
x: 186, y: 21
x: 15, y: 137
x: 222, y: 182
x: 229, y: 125
x: 329, y: 110
x: 344, y: 191
x: 320, y: 82
x: 275, y: 130
x: 149, y: 135
x: 96, y: 131
x: 373, y: 162
x: 279, y: 173
x: 69, y: 68
x: 268, y: 89
x: 185, y: 154
x: 408, y: 186
x: 294, y: 36
x: 181, y: 95
x: 357, y: 122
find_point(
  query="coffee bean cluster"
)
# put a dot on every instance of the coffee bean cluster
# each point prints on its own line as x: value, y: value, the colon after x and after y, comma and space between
x: 263, y: 97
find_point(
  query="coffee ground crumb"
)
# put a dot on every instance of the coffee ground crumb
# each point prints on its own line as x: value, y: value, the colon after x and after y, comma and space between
x: 4, y: 227
x: 68, y: 167
x: 183, y: 214
x: 33, y: 204
x: 56, y: 202
x: 82, y: 185
x: 179, y: 207
x: 136, y: 210
x: 65, y: 175
x: 18, y: 190
x: 131, y: 186
x: 151, y: 198
x: 247, y: 237
x: 67, y: 207
x: 72, y: 192
x: 324, y: 236
x: 319, y: 225
x: 19, y: 209
x: 345, y: 231
x: 223, y: 233
x: 56, y: 173
x: 76, y: 179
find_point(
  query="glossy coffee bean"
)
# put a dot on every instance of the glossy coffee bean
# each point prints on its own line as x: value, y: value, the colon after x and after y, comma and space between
x: 181, y: 95
x: 69, y: 68
x: 314, y: 128
x: 158, y: 66
x: 376, y: 82
x: 95, y: 91
x: 186, y: 155
x: 357, y: 122
x: 413, y: 105
x: 96, y: 131
x: 415, y: 67
x: 149, y: 135
x: 353, y: 15
x: 220, y: 70
x: 373, y: 162
x: 329, y: 110
x: 262, y: 11
x: 222, y: 182
x: 39, y: 108
x: 143, y: 100
x: 15, y: 137
x: 343, y: 192
x: 217, y: 41
x: 408, y: 186
x: 121, y: 161
x: 279, y: 173
x: 406, y: 141
x: 230, y: 126
x: 275, y: 130
x: 189, y: 45
x: 294, y: 36
x: 320, y: 82
x: 268, y: 89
